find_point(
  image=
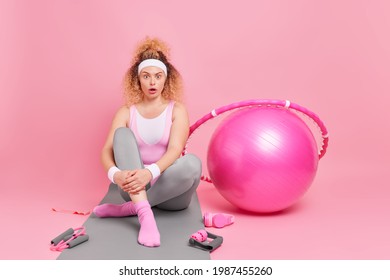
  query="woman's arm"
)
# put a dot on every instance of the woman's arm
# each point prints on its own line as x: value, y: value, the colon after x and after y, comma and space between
x: 120, y: 120
x: 178, y: 136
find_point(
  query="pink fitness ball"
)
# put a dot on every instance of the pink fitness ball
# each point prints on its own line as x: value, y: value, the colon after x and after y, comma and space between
x: 262, y: 159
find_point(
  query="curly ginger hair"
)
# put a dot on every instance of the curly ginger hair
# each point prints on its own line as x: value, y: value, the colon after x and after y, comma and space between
x: 156, y: 49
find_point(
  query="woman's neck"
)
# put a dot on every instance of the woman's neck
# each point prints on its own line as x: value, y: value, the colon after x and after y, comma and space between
x: 152, y: 108
x: 154, y: 102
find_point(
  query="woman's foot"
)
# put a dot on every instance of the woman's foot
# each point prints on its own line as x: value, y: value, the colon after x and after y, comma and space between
x: 149, y: 235
x: 115, y: 210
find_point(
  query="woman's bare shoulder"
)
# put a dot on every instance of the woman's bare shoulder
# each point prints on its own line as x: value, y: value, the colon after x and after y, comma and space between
x: 123, y: 110
x: 179, y: 111
x: 180, y: 107
x: 122, y: 114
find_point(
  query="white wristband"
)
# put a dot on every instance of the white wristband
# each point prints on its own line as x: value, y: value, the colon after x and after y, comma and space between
x: 154, y: 169
x: 111, y: 173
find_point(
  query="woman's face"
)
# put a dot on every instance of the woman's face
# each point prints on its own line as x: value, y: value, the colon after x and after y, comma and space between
x: 152, y: 80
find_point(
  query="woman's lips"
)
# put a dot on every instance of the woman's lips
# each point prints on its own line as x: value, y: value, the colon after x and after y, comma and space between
x: 152, y: 90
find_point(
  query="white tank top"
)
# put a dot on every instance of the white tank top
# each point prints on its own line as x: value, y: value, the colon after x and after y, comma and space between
x: 151, y: 130
x: 152, y: 134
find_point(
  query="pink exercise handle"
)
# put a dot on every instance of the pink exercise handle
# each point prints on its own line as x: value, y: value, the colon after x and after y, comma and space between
x: 64, y: 244
x: 267, y: 103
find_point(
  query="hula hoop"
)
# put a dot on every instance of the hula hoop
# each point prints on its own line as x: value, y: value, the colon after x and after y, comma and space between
x: 261, y: 103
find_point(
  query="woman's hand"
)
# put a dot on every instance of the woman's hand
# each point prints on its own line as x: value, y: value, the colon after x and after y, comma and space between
x: 133, y: 181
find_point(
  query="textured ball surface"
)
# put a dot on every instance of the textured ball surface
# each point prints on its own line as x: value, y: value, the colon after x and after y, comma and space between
x: 262, y: 159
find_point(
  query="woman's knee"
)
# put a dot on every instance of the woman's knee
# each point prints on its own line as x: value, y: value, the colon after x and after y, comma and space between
x: 192, y: 165
x: 123, y: 135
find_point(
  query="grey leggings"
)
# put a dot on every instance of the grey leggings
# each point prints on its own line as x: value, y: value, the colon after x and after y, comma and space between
x: 174, y: 188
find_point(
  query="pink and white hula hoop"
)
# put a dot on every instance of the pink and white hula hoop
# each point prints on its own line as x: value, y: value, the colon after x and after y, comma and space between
x: 261, y: 103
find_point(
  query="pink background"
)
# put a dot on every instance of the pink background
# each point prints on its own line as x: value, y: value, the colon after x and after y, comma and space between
x: 61, y: 65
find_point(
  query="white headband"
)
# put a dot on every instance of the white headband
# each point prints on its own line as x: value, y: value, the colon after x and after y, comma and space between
x: 152, y: 62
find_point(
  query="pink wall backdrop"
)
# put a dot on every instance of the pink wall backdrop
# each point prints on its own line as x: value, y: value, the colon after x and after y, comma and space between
x: 61, y: 66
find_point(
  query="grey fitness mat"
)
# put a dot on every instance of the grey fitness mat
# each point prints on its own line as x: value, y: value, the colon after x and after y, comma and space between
x: 116, y: 238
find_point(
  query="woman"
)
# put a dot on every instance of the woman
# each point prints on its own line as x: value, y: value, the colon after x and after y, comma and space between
x: 143, y: 147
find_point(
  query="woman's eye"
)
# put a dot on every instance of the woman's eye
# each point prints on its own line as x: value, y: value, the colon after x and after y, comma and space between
x: 145, y: 76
